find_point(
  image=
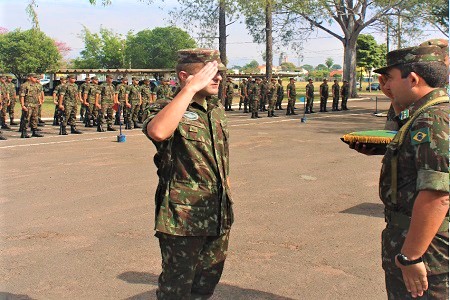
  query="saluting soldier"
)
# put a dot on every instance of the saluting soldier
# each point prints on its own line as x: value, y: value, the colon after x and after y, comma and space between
x: 324, y: 94
x: 335, y: 88
x: 104, y: 101
x: 134, y: 99
x: 68, y: 105
x: 30, y: 93
x: 12, y: 99
x: 291, y: 93
x: 89, y: 95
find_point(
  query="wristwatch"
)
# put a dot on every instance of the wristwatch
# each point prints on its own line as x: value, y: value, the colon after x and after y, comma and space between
x: 405, y: 261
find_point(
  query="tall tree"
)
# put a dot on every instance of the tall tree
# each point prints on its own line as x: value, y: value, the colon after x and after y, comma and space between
x: 23, y: 52
x: 369, y: 54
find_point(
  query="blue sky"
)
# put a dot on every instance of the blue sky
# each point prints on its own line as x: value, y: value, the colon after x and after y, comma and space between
x: 63, y: 20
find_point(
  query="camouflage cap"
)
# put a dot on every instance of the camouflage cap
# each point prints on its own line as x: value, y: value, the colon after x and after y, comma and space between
x: 412, y: 54
x: 109, y: 76
x: 71, y: 76
x: 200, y: 55
x: 63, y: 78
x: 94, y: 78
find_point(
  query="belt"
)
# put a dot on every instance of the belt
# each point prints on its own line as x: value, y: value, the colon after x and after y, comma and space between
x: 402, y: 221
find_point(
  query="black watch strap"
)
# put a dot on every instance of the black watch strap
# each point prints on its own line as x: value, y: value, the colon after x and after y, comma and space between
x: 405, y: 261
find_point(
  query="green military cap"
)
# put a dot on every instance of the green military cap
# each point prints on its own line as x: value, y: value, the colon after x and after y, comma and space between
x: 412, y: 54
x: 200, y: 55
x: 94, y: 78
x: 71, y: 76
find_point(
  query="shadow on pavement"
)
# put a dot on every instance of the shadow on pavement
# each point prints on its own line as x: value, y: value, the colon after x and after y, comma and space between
x: 367, y: 209
x: 223, y: 290
x: 9, y: 296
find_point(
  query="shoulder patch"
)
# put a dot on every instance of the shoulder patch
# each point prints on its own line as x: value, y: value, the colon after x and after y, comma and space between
x: 190, y: 115
x: 420, y: 136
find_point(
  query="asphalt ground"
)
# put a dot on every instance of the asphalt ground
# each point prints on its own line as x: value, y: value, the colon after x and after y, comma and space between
x: 77, y: 212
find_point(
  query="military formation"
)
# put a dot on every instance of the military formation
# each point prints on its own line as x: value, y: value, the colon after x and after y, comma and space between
x: 96, y: 103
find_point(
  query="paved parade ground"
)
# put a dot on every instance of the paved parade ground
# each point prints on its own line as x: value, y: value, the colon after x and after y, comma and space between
x: 77, y: 212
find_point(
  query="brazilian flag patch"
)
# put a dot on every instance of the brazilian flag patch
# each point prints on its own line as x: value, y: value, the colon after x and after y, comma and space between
x: 420, y: 136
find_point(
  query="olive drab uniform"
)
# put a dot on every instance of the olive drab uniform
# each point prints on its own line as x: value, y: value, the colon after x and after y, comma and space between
x: 83, y: 87
x: 272, y: 98
x: 416, y: 160
x: 255, y: 98
x: 335, y: 89
x: 57, y: 114
x: 91, y: 110
x: 134, y: 98
x: 146, y: 94
x: 345, y: 90
x: 292, y: 95
x: 121, y: 91
x: 250, y: 84
x: 324, y: 94
x: 12, y: 101
x: 5, y: 97
x: 69, y: 91
x: 264, y: 93
x: 164, y: 91
x: 193, y: 200
x: 229, y: 96
x: 31, y: 93
x: 243, y: 99
x: 106, y: 92
x: 280, y: 95
x: 309, y: 98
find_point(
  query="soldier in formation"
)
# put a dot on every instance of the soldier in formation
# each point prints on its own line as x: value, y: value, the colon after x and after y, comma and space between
x: 56, y: 95
x: 345, y: 90
x: 264, y: 93
x: 5, y: 102
x: 12, y: 99
x: 272, y: 97
x: 324, y: 94
x: 164, y: 91
x: 104, y: 101
x: 1, y: 107
x: 243, y: 96
x: 229, y: 94
x: 291, y: 93
x: 280, y: 94
x: 30, y: 97
x: 256, y: 97
x: 121, y: 94
x: 147, y: 98
x: 68, y: 105
x: 250, y: 83
x: 133, y: 103
x: 89, y: 95
x: 335, y: 89
x: 309, y: 97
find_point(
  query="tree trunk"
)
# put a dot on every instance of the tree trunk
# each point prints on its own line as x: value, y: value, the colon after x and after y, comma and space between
x: 350, y: 63
x: 269, y: 41
x: 222, y: 47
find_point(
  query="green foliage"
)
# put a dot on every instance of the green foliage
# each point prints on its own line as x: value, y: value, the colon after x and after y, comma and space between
x: 23, y: 52
x: 319, y: 74
x: 336, y: 67
x: 308, y: 68
x: 157, y: 48
x: 288, y: 66
x: 251, y: 67
x: 329, y: 63
x: 321, y: 67
x: 368, y: 53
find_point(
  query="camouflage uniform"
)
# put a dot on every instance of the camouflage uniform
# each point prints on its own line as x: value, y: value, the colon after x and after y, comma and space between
x: 69, y: 92
x: 5, y: 97
x: 106, y: 92
x: 292, y: 94
x: 416, y: 160
x: 12, y: 100
x: 229, y: 97
x: 264, y: 92
x: 57, y: 93
x: 83, y: 87
x: 345, y: 90
x: 193, y: 213
x: 30, y: 92
x: 309, y: 98
x: 146, y: 94
x: 250, y: 84
x: 255, y: 98
x: 335, y: 92
x: 91, y: 110
x: 134, y: 98
x: 121, y: 91
x: 40, y: 122
x: 324, y: 94
x: 280, y: 95
x: 271, y: 96
x: 164, y: 91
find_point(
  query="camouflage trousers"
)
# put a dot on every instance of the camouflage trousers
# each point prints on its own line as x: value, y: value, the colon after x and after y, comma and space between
x: 255, y: 105
x: 271, y: 106
x: 11, y: 107
x: 191, y: 265
x: 70, y: 114
x: 3, y: 111
x: 291, y: 102
x: 39, y: 113
x: 108, y: 111
x: 30, y: 117
x: 309, y: 103
x: 134, y: 110
x: 91, y: 112
x: 279, y: 101
x: 123, y: 110
x: 437, y: 287
x: 228, y: 101
x: 344, y: 102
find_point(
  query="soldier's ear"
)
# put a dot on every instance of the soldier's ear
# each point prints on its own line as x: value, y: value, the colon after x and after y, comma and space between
x: 183, y: 75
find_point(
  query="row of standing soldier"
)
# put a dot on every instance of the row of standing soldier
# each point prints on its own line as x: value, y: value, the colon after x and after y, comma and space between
x: 255, y: 94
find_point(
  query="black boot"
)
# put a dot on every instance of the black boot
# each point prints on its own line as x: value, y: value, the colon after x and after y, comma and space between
x: 269, y: 114
x: 100, y: 128
x: 11, y: 122
x: 41, y: 123
x: 74, y: 130
x: 35, y: 133
x: 136, y: 125
x: 128, y: 126
x: 253, y: 115
x: 24, y: 134
x: 110, y: 128
x: 62, y: 130
x: 4, y: 125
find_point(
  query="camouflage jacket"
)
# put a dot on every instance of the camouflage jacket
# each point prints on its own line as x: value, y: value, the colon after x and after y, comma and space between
x: 324, y: 90
x: 69, y: 91
x: 83, y: 87
x: 422, y: 165
x: 255, y: 92
x: 193, y: 197
x: 121, y: 91
x: 243, y: 89
x: 164, y: 92
x: 271, y: 91
x: 146, y: 93
x: 134, y: 91
x: 31, y: 93
x: 310, y: 90
x: 280, y: 90
x: 250, y: 85
x: 4, y: 92
x: 106, y: 92
x: 230, y: 89
x: 291, y: 88
x: 11, y: 89
x: 335, y: 90
x: 91, y: 93
x: 57, y: 90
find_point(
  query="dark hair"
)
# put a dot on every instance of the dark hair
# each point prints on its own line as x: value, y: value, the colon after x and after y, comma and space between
x: 434, y: 73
